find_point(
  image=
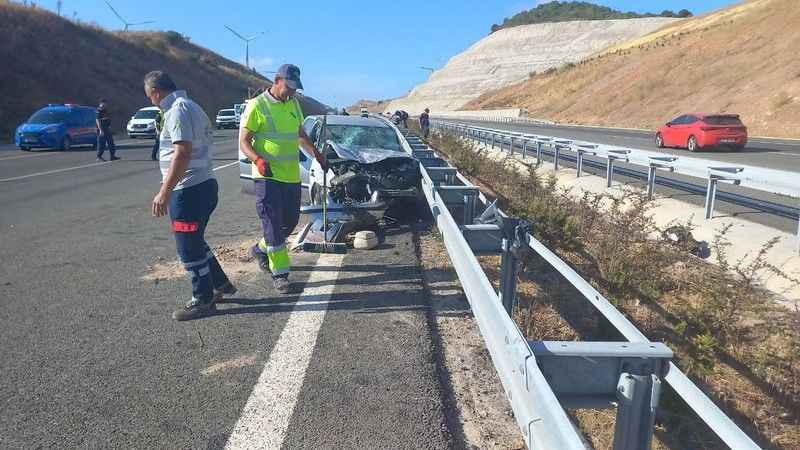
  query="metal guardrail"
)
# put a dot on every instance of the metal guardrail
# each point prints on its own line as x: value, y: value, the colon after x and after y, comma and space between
x: 713, y: 172
x: 542, y: 378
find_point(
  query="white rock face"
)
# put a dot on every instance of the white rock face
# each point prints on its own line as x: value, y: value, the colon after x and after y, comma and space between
x: 510, y: 55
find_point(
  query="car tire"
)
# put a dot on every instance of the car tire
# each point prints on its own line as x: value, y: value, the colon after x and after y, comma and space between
x: 737, y: 148
x: 24, y: 148
x: 659, y: 140
x: 692, y: 144
x: 66, y: 144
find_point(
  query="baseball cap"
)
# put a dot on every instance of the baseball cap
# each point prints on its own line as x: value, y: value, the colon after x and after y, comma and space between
x: 291, y: 74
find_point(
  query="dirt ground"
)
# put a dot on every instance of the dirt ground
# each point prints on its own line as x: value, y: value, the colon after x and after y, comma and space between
x: 479, y: 412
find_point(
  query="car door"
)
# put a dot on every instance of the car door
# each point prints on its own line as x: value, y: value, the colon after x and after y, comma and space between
x: 88, y: 125
x: 671, y: 130
x: 686, y: 130
x: 74, y: 123
x: 310, y: 126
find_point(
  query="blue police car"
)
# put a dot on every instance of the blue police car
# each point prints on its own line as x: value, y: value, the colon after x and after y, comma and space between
x: 58, y: 126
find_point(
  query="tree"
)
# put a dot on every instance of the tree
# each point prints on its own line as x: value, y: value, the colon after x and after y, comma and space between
x: 684, y: 13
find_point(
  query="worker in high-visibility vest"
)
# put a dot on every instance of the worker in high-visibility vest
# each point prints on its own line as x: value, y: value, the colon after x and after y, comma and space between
x: 270, y: 135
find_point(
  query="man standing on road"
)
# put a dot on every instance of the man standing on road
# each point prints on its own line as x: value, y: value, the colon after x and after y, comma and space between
x: 157, y: 141
x: 188, y: 191
x: 104, y: 135
x: 425, y: 122
x: 269, y: 136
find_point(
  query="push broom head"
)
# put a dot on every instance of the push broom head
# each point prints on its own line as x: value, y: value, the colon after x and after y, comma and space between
x: 325, y: 247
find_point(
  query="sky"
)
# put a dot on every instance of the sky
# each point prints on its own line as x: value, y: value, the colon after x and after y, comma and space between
x: 347, y: 50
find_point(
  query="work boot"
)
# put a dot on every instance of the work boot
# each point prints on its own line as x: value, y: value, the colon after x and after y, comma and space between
x: 261, y: 257
x: 226, y: 289
x: 282, y: 285
x: 194, y: 309
x: 100, y: 158
x: 115, y: 158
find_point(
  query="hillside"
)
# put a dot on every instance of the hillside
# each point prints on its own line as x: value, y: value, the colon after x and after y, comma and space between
x: 557, y: 11
x: 740, y: 59
x: 49, y: 59
x: 373, y: 106
x: 508, y: 56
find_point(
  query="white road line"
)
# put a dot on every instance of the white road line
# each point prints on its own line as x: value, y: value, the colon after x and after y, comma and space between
x: 226, y: 165
x: 29, y: 155
x: 49, y: 172
x: 265, y: 418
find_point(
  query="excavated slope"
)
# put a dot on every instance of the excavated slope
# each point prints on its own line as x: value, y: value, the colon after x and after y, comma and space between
x: 508, y: 56
x: 740, y: 59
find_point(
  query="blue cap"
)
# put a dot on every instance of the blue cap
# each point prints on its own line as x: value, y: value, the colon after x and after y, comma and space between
x: 291, y: 74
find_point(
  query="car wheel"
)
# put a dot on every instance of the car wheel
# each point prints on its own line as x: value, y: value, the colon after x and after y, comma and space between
x: 692, y: 144
x: 659, y: 140
x: 66, y: 144
x: 24, y: 148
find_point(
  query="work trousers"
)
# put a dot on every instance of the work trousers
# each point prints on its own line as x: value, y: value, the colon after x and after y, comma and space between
x: 106, y: 139
x: 278, y: 206
x: 190, y: 209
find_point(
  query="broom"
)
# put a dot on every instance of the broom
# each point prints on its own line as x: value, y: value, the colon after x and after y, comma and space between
x: 324, y: 246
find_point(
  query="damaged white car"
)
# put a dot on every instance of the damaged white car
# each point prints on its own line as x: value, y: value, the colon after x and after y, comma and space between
x: 368, y: 166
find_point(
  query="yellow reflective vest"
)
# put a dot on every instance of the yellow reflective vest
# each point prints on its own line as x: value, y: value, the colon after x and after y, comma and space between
x: 276, y: 125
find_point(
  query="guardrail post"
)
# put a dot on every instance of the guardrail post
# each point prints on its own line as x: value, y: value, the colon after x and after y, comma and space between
x: 511, y: 145
x: 612, y: 157
x: 508, y: 277
x: 538, y: 152
x: 711, y: 194
x: 657, y: 162
x: 556, y: 154
x: 715, y: 175
x: 636, y: 413
x: 524, y: 148
x: 492, y: 140
x: 470, y: 198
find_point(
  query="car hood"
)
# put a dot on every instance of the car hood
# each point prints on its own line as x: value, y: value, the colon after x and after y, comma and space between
x: 366, y: 155
x: 36, y: 127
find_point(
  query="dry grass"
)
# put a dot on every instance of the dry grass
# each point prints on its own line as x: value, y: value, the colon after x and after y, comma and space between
x: 727, y: 333
x: 730, y: 61
x: 48, y: 59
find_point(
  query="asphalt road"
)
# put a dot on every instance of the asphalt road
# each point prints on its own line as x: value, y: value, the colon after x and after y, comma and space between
x: 777, y: 154
x: 91, y: 358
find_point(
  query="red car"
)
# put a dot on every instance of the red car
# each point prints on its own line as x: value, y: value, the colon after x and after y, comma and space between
x: 698, y: 131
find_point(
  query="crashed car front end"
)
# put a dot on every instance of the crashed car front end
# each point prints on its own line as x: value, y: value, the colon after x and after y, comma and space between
x: 366, y: 186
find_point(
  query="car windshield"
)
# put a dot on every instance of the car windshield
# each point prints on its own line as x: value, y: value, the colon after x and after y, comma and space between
x: 364, y: 137
x: 146, y: 114
x: 226, y: 112
x: 44, y: 116
x: 723, y: 120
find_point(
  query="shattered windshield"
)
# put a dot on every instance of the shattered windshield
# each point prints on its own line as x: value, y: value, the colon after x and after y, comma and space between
x: 364, y: 137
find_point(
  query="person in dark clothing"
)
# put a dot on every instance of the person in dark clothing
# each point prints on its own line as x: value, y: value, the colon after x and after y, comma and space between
x: 104, y: 135
x: 344, y: 112
x: 404, y: 118
x: 157, y: 142
x: 425, y: 122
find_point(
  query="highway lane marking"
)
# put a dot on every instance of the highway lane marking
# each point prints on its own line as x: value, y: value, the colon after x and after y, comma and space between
x: 264, y: 421
x: 226, y: 165
x: 29, y: 155
x: 50, y: 172
x: 66, y: 169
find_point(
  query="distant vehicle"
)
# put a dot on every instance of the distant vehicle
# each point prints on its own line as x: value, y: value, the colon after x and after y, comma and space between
x: 364, y: 112
x: 60, y: 126
x: 239, y: 108
x: 143, y: 123
x: 698, y: 131
x: 226, y: 118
